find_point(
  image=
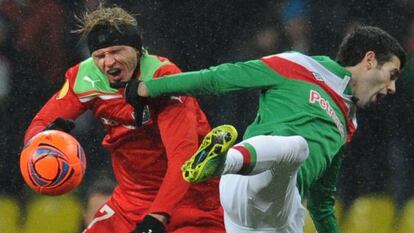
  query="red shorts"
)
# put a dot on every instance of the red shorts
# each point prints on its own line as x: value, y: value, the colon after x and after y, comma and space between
x: 111, y: 218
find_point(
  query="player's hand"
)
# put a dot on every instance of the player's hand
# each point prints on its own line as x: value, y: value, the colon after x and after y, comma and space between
x: 131, y: 88
x: 132, y: 97
x: 61, y: 124
x: 131, y: 94
x: 143, y: 90
x: 150, y: 225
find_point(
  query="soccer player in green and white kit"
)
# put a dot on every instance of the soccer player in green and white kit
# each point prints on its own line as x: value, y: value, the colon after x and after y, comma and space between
x: 292, y: 150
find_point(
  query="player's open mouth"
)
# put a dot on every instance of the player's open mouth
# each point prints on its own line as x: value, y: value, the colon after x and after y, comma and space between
x: 379, y: 97
x: 114, y: 72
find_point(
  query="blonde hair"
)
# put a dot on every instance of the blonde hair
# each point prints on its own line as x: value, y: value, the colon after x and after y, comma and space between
x: 111, y: 16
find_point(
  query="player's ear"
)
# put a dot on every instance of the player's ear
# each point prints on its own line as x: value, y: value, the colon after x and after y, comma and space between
x: 370, y: 60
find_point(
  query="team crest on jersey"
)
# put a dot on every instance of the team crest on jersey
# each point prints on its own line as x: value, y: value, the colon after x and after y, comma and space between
x: 146, y: 119
x: 146, y: 115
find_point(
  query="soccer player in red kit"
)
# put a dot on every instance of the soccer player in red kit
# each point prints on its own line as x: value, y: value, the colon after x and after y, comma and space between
x: 148, y: 141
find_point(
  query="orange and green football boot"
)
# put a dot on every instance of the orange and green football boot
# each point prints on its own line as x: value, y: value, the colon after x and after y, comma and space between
x: 208, y: 161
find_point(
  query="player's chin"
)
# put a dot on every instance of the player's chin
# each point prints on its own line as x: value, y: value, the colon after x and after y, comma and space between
x: 378, y: 98
x: 366, y: 104
x: 117, y: 79
x: 373, y: 101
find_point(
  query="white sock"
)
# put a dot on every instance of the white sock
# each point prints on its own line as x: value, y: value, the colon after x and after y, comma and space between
x: 260, y: 153
x: 234, y: 162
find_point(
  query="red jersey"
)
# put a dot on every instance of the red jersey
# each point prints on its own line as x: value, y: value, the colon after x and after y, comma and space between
x: 146, y: 159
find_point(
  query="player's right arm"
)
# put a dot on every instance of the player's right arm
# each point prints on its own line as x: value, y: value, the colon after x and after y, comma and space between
x: 217, y: 80
x: 64, y: 104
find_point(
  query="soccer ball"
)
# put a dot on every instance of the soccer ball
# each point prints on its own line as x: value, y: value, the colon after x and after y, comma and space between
x: 52, y: 162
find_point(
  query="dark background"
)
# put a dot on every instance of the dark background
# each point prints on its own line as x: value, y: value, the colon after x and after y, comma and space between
x: 37, y: 46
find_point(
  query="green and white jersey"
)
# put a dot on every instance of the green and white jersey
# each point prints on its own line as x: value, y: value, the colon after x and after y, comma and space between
x: 300, y: 95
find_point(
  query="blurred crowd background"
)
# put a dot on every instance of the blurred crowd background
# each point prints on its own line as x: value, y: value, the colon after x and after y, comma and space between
x: 37, y: 46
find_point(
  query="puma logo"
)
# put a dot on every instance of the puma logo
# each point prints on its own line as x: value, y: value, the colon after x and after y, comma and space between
x: 88, y: 79
x: 178, y: 98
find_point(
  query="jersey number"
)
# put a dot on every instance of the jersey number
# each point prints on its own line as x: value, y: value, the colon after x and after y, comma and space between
x: 107, y: 211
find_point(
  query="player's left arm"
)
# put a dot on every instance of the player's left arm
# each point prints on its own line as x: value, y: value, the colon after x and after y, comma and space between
x: 321, y: 201
x: 177, y: 122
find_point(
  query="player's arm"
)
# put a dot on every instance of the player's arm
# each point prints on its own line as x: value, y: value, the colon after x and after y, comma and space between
x: 64, y: 104
x: 216, y: 80
x: 178, y: 128
x: 321, y: 202
x: 177, y: 124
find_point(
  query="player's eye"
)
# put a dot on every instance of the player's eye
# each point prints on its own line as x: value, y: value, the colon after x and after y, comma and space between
x: 117, y: 51
x: 394, y: 76
x: 99, y: 56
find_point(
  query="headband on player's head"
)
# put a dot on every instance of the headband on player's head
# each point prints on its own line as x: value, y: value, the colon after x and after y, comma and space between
x: 102, y: 36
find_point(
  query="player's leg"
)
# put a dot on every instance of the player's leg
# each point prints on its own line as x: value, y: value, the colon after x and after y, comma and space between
x: 267, y: 202
x: 252, y: 156
x: 260, y: 153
